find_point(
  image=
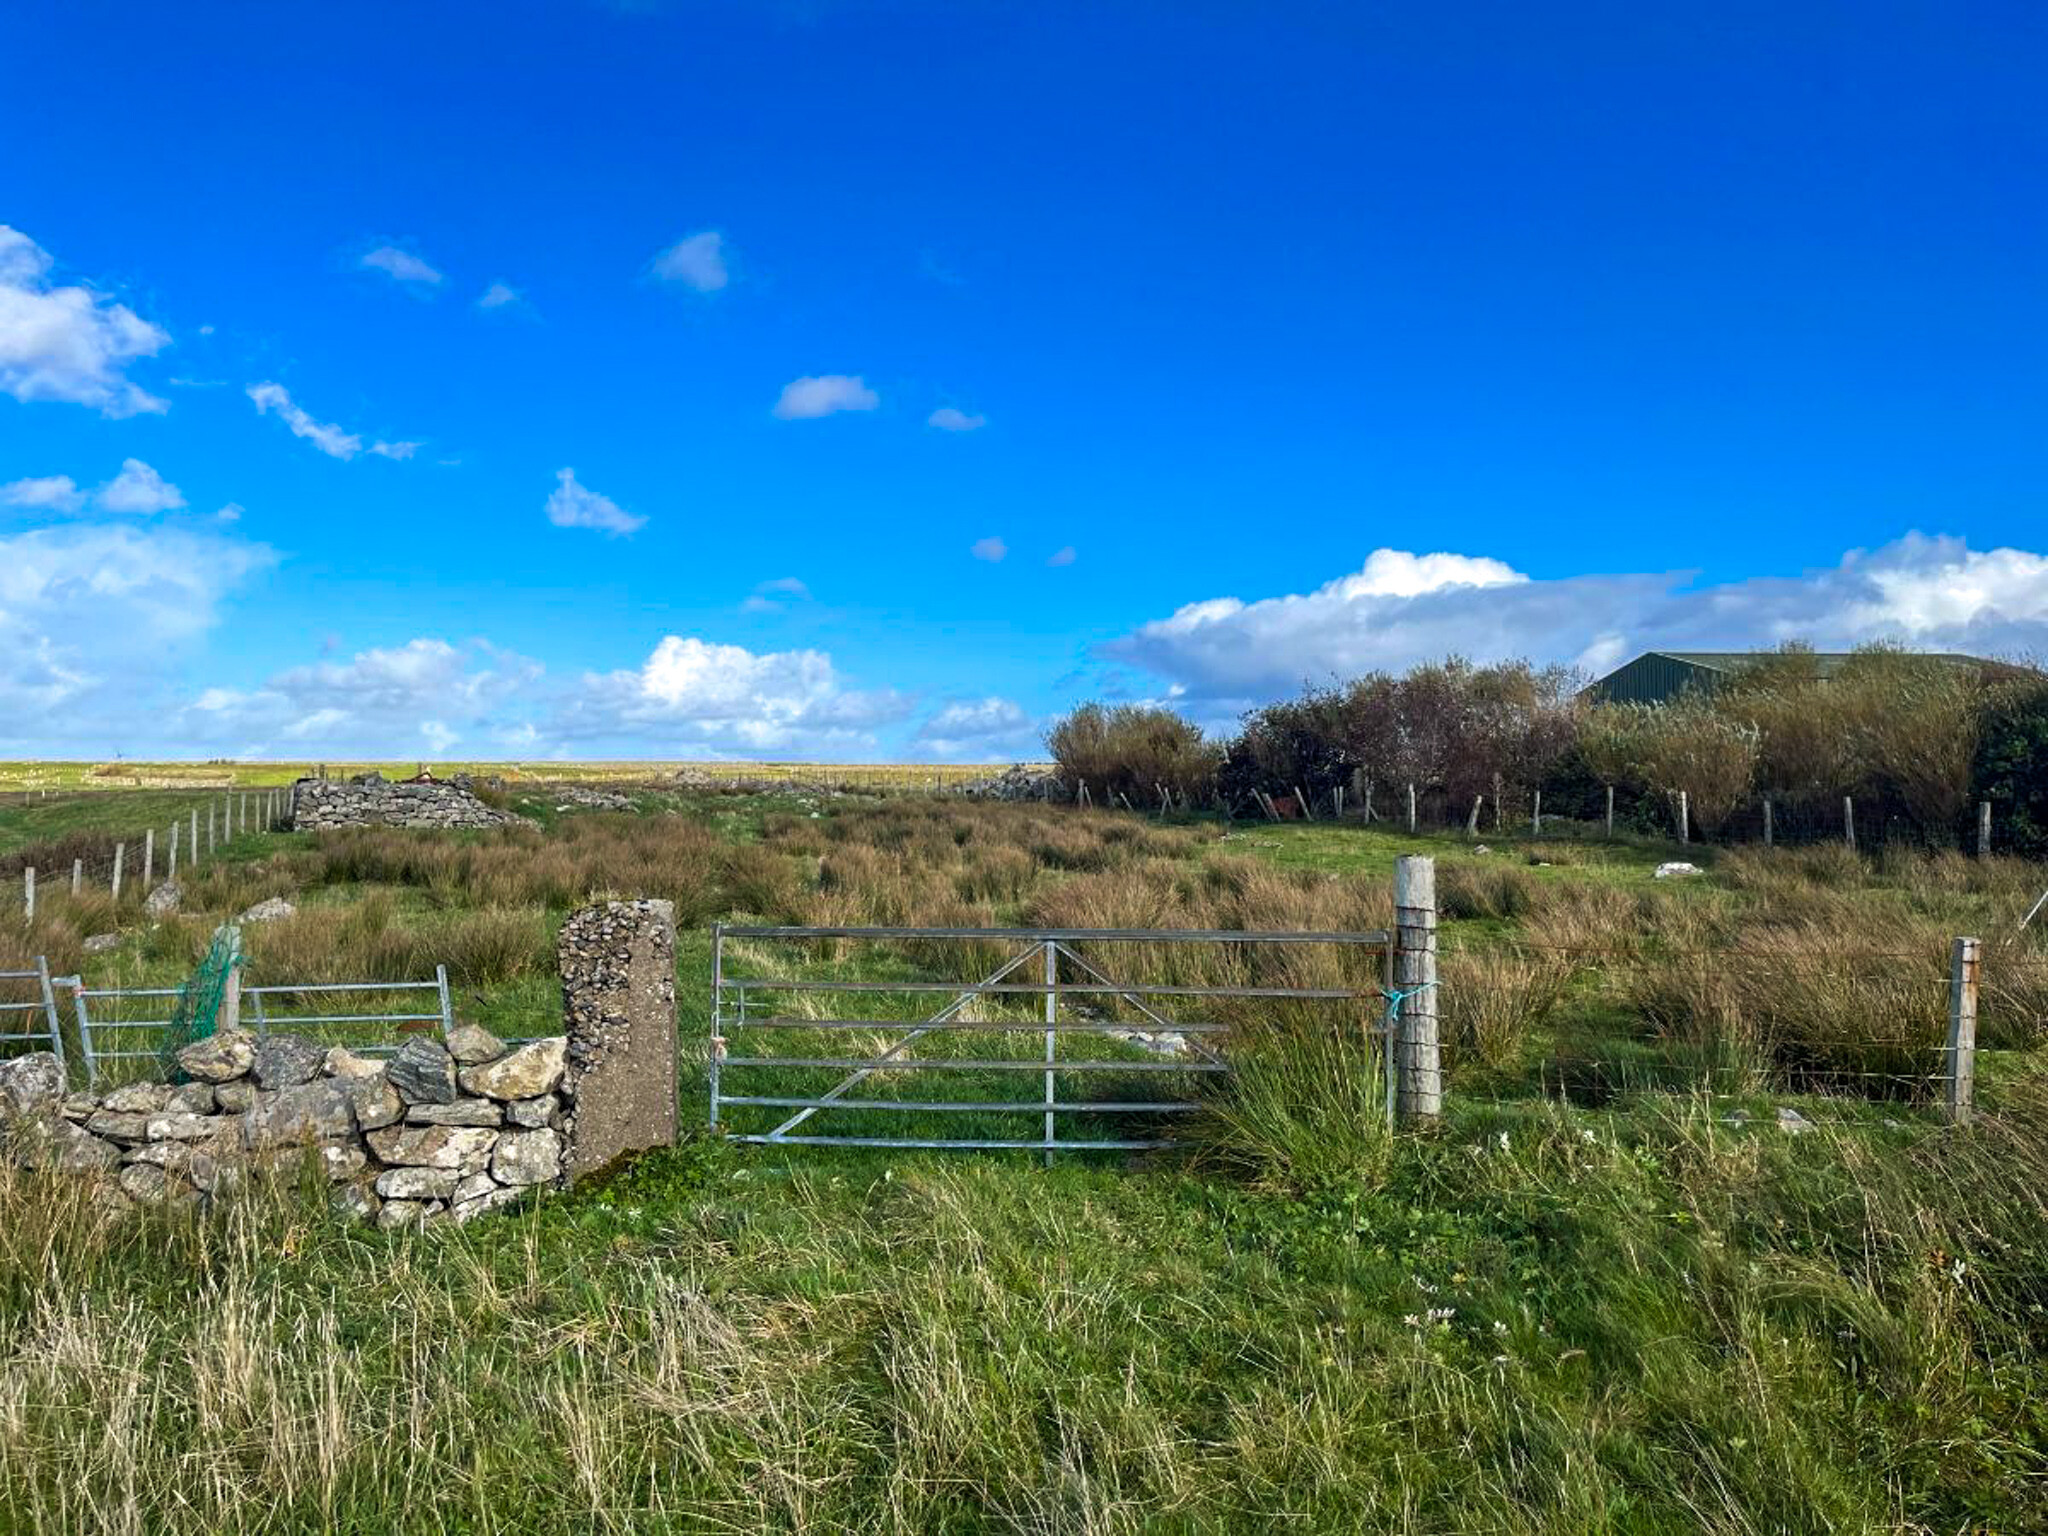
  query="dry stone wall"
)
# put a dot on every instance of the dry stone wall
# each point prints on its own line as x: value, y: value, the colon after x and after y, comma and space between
x: 446, y: 1128
x: 442, y: 1129
x: 321, y: 803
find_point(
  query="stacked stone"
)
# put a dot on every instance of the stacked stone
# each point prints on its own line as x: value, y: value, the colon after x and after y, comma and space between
x: 1017, y: 783
x: 618, y: 970
x: 449, y: 1128
x: 570, y: 797
x: 370, y: 802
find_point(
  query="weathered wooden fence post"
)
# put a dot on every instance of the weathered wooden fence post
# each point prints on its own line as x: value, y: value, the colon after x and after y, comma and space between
x: 1983, y: 829
x: 1684, y: 818
x: 1416, y: 1053
x: 120, y: 852
x: 1411, y: 808
x: 192, y: 842
x: 1536, y: 816
x: 1767, y: 821
x: 77, y: 877
x: 1610, y: 811
x: 1308, y: 812
x: 1472, y: 823
x: 28, y: 895
x: 172, y: 874
x: 1961, y: 1057
x: 148, y: 860
x: 1849, y: 821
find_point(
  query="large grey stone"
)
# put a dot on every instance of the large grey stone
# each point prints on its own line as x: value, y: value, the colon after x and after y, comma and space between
x: 461, y: 1112
x: 526, y: 1073
x: 469, y: 1210
x: 418, y: 1183
x: 377, y: 1102
x: 100, y: 943
x: 471, y: 1045
x: 236, y: 1097
x: 285, y: 1061
x: 401, y: 1213
x: 343, y: 1062
x: 527, y: 1157
x: 156, y: 1185
x: 57, y: 1144
x: 162, y: 901
x: 198, y: 1166
x: 193, y: 1099
x: 114, y: 1126
x: 476, y: 1184
x: 137, y: 1099
x: 219, y: 1058
x: 30, y: 1084
x: 186, y: 1127
x: 299, y: 1116
x: 268, y: 911
x: 423, y: 1072
x: 433, y: 1146
x: 342, y: 1160
x: 532, y: 1114
x: 356, y: 1200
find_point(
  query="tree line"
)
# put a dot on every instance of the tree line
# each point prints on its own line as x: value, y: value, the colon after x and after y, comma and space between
x: 1917, y: 742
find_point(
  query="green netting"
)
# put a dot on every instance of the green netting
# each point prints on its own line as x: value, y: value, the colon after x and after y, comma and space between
x: 199, y: 1000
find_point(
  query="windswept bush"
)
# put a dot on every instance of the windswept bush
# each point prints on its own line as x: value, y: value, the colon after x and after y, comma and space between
x: 1130, y: 749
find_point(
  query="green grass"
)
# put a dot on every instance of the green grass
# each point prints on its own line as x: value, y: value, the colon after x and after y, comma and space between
x: 1586, y: 1302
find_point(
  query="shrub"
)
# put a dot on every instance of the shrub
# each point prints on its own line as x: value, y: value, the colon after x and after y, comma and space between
x: 1130, y: 749
x: 2010, y: 768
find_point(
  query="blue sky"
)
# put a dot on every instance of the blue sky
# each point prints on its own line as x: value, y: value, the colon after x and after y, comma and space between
x: 878, y: 379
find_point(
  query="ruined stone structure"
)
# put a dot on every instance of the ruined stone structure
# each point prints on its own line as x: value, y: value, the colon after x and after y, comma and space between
x: 371, y: 802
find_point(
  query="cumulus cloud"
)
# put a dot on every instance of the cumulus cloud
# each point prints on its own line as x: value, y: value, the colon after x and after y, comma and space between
x: 985, y: 729
x: 92, y: 614
x: 328, y: 438
x: 68, y: 342
x: 401, y: 266
x: 571, y: 505
x: 1400, y: 608
x: 696, y: 261
x: 948, y: 419
x: 45, y: 493
x: 497, y: 296
x: 138, y: 489
x: 823, y: 394
x: 378, y: 701
x: 990, y: 549
x: 1062, y: 556
x: 693, y: 695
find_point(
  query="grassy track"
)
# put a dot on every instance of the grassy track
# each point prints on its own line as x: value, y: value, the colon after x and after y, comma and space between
x: 1596, y: 1299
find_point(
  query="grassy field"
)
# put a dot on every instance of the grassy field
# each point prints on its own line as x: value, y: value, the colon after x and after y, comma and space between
x: 29, y: 778
x: 1607, y: 1294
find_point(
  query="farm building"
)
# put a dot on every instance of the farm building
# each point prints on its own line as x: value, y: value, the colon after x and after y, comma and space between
x: 1656, y: 677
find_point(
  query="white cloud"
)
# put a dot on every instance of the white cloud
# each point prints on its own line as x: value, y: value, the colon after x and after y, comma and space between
x: 947, y: 419
x: 231, y: 513
x: 810, y: 397
x: 401, y: 266
x: 575, y: 506
x: 138, y: 489
x: 1062, y: 556
x: 68, y: 343
x: 51, y: 493
x: 92, y: 614
x: 985, y: 729
x: 497, y: 296
x: 1932, y: 593
x: 328, y: 438
x: 696, y: 695
x: 697, y: 261
x: 376, y: 702
x: 774, y: 596
x: 990, y: 549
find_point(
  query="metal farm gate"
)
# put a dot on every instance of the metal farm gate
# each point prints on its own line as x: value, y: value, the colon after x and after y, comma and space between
x: 950, y: 1017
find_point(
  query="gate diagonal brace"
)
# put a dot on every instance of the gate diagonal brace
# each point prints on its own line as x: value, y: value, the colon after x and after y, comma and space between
x: 857, y: 1078
x: 1139, y: 1003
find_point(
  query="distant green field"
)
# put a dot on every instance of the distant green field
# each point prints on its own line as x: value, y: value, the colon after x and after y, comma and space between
x: 33, y: 777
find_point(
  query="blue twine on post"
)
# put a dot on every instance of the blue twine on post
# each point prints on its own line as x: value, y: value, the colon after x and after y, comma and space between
x: 1395, y: 998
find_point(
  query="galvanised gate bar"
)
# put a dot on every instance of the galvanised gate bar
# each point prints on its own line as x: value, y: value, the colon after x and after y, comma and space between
x: 1043, y: 963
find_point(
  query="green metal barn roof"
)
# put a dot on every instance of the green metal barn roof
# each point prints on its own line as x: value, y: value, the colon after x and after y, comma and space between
x: 1656, y: 676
